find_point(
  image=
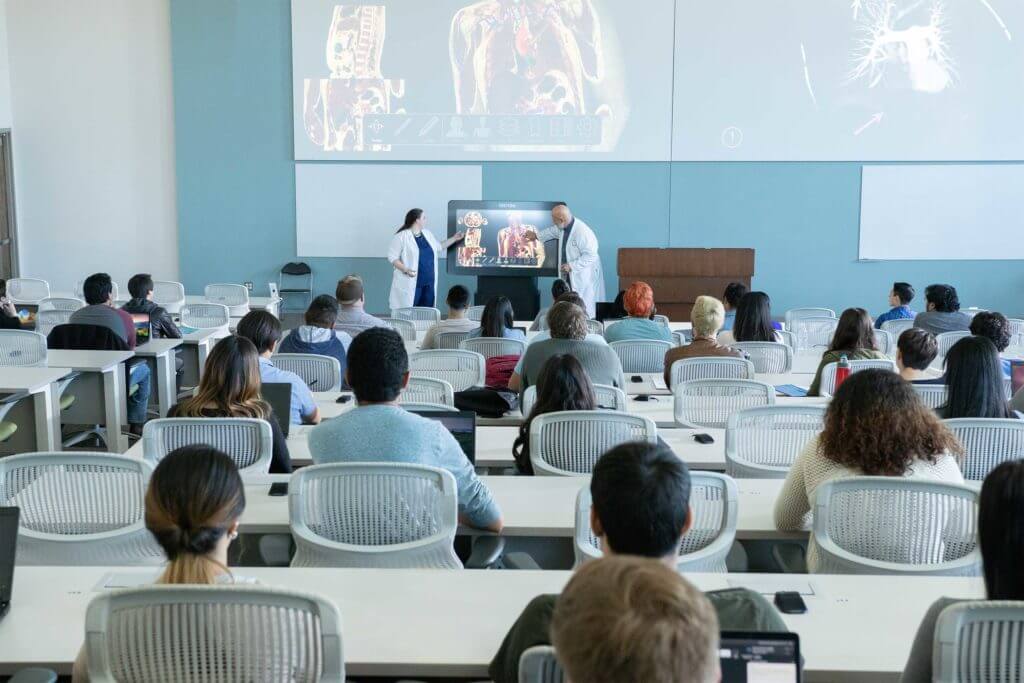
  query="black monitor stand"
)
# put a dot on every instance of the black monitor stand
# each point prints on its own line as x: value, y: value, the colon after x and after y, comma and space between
x: 521, y: 291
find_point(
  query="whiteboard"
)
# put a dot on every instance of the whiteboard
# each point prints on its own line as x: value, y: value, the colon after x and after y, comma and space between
x: 954, y: 212
x: 353, y: 210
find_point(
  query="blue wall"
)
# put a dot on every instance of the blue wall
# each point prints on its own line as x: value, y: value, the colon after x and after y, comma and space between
x: 236, y: 189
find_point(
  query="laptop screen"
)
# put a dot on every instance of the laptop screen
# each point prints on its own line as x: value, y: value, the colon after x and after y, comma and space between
x: 1016, y: 375
x: 8, y: 544
x: 461, y: 425
x: 279, y: 396
x: 759, y: 657
x: 27, y: 314
x: 143, y: 328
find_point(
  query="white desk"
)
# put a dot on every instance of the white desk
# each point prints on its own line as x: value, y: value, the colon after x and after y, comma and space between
x: 256, y: 303
x: 39, y: 383
x: 159, y: 356
x: 195, y: 347
x: 110, y: 392
x: 427, y: 623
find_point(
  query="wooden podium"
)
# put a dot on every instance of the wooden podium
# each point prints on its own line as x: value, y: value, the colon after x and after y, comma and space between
x: 679, y: 276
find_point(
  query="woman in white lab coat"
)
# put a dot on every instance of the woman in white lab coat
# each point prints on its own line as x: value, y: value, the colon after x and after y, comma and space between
x: 414, y: 252
x: 582, y: 261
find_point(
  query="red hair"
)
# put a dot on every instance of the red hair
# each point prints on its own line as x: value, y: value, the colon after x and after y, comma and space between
x: 639, y: 300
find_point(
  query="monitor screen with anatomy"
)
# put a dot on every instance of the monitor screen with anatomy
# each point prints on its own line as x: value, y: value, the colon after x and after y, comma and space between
x: 502, y: 239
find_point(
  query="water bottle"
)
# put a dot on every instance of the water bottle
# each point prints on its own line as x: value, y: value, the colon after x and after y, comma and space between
x: 842, y: 370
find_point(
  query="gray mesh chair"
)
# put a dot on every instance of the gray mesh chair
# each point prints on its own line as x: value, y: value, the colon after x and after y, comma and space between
x: 169, y: 294
x: 406, y: 328
x: 885, y: 342
x: 247, y: 441
x: 420, y: 316
x: 933, y: 395
x: 946, y: 341
x: 61, y: 303
x: 462, y: 369
x: 595, y: 327
x: 768, y: 357
x: 475, y: 313
x: 207, y: 633
x: 607, y: 396
x: 1016, y: 332
x: 428, y: 390
x: 641, y: 355
x: 662, y: 320
x: 980, y: 640
x: 433, y: 407
x: 710, y: 367
x: 713, y: 505
x: 79, y: 509
x: 206, y: 316
x: 813, y: 333
x: 897, y: 327
x: 762, y: 443
x: 27, y: 290
x: 787, y: 338
x: 538, y: 665
x: 679, y: 338
x: 568, y: 443
x: 828, y: 373
x: 708, y: 403
x: 320, y: 373
x: 235, y: 297
x: 798, y: 313
x: 987, y: 442
x: 450, y: 340
x: 115, y: 292
x: 382, y: 515
x: 352, y: 330
x: 896, y: 525
x: 22, y: 348
x: 489, y: 347
x: 49, y: 319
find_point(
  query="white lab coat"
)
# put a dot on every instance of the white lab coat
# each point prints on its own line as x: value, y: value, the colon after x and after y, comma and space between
x: 403, y: 247
x: 581, y: 253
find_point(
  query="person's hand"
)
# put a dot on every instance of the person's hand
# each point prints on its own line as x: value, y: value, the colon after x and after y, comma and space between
x: 459, y: 236
x: 530, y: 235
x: 8, y: 307
x: 566, y: 268
x: 410, y: 273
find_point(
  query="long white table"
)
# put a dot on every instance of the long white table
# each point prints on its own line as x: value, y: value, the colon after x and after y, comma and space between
x: 159, y: 356
x: 106, y: 389
x: 420, y: 623
x: 45, y: 413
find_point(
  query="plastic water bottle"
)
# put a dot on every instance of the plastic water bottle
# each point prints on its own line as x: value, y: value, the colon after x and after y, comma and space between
x: 842, y: 370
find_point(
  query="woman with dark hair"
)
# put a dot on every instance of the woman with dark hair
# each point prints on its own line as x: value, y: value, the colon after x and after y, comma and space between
x: 414, y: 252
x: 875, y: 426
x: 498, y: 321
x: 854, y: 338
x: 974, y: 380
x: 1001, y: 539
x: 563, y: 384
x: 753, y: 322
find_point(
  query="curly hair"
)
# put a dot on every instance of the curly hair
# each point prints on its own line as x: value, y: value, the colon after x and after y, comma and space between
x: 993, y: 325
x: 943, y: 297
x: 878, y: 425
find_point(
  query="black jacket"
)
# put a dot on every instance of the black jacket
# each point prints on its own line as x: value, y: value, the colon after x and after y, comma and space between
x: 159, y: 318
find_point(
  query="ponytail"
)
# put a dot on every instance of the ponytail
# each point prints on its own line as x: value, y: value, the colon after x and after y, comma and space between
x: 411, y: 217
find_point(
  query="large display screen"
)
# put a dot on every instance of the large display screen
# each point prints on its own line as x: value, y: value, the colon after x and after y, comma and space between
x: 501, y: 239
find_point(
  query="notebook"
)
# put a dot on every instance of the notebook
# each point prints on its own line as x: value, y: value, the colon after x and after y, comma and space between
x: 461, y: 425
x: 750, y: 657
x: 791, y: 390
x: 279, y: 396
x: 8, y: 546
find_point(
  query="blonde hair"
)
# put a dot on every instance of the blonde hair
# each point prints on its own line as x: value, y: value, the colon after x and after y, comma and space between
x: 708, y: 316
x: 626, y: 618
x: 567, y: 321
x: 230, y: 386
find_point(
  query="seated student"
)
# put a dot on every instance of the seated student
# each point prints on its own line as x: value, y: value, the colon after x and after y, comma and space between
x: 633, y: 619
x: 916, y: 349
x: 98, y: 290
x: 875, y: 426
x: 641, y: 507
x: 352, y: 298
x: 230, y: 387
x: 996, y: 328
x: 854, y: 338
x: 975, y: 381
x: 753, y: 321
x: 264, y: 330
x: 573, y: 298
x: 194, y: 502
x: 706, y: 317
x: 639, y: 303
x: 943, y: 311
x: 1001, y: 541
x: 558, y: 288
x: 498, y: 321
x: 9, y: 319
x: 902, y: 293
x: 562, y: 385
x: 380, y: 430
x: 458, y: 306
x: 318, y: 335
x: 141, y: 288
x: 734, y: 291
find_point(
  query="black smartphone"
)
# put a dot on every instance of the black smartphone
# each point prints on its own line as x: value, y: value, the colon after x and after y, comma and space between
x: 636, y: 379
x: 279, y: 489
x: 344, y: 398
x: 790, y: 602
x: 703, y: 438
x: 642, y: 397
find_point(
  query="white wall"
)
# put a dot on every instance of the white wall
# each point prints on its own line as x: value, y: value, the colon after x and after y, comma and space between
x: 93, y: 138
x: 5, y: 71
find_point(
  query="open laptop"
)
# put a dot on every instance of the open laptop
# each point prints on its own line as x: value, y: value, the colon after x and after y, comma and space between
x: 751, y: 657
x: 143, y: 328
x: 8, y: 546
x: 279, y: 396
x: 461, y: 425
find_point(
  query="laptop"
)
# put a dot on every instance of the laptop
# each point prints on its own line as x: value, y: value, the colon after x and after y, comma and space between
x: 8, y: 546
x: 751, y: 657
x: 1016, y: 375
x: 27, y: 314
x: 143, y: 328
x: 607, y: 310
x: 279, y: 396
x: 461, y: 425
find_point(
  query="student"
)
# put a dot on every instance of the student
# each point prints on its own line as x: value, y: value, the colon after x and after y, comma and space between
x: 141, y: 288
x: 230, y: 387
x: 318, y: 335
x: 9, y: 319
x: 706, y: 317
x: 943, y: 311
x: 734, y: 292
x: 639, y: 303
x: 562, y: 385
x: 1001, y: 541
x: 902, y: 293
x: 558, y: 288
x: 875, y: 426
x: 753, y: 321
x: 264, y: 330
x: 640, y: 507
x: 380, y: 430
x: 974, y: 378
x: 631, y: 619
x: 352, y: 299
x: 996, y: 328
x: 193, y: 505
x: 916, y: 349
x: 854, y: 338
x: 498, y: 321
x: 458, y: 306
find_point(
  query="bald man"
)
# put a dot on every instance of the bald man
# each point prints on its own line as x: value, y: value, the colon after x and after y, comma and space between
x: 581, y: 263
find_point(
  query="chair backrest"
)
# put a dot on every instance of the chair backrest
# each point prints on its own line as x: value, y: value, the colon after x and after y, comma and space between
x: 213, y: 633
x: 768, y: 357
x: 462, y: 369
x: 947, y: 339
x: 60, y: 303
x: 353, y: 330
x: 885, y: 342
x: 607, y: 396
x: 713, y: 504
x: 570, y: 442
x: 641, y: 355
x: 828, y: 373
x: 708, y: 403
x: 809, y: 312
x: 206, y: 316
x: 662, y: 320
x: 413, y: 407
x: 450, y: 340
x: 595, y: 327
x: 169, y: 294
x: 933, y: 395
x: 987, y: 442
x: 787, y: 338
x: 679, y: 338
x: 374, y: 515
x: 762, y: 443
x: 812, y: 333
x: 539, y: 665
x: 896, y: 525
x: 897, y: 327
x: 421, y: 316
x: 320, y: 373
x: 428, y: 390
x: 404, y: 327
x: 27, y: 290
x: 115, y: 292
x: 489, y: 347
x: 248, y: 441
x: 1016, y: 332
x: 47, y: 320
x: 710, y: 367
x: 235, y: 297
x: 22, y: 348
x: 79, y: 508
x: 475, y: 313
x: 980, y: 640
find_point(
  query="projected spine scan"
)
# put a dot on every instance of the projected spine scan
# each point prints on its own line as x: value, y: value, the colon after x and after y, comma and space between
x: 513, y: 247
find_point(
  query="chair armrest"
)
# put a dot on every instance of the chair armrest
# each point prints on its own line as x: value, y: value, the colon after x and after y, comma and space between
x: 487, y: 550
x: 8, y: 402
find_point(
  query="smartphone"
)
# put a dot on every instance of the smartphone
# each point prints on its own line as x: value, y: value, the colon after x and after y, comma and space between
x: 790, y: 602
x: 279, y: 489
x: 636, y: 379
x: 642, y: 397
x: 703, y: 438
x: 344, y: 398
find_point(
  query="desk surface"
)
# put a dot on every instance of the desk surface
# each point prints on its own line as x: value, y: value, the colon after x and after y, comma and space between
x: 16, y: 379
x: 87, y: 361
x: 199, y: 336
x: 156, y: 347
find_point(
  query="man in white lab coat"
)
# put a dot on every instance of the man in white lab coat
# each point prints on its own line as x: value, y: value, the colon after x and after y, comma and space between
x: 581, y: 264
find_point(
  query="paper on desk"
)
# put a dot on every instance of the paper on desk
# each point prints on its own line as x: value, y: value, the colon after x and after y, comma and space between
x: 770, y: 585
x: 659, y: 382
x: 116, y: 580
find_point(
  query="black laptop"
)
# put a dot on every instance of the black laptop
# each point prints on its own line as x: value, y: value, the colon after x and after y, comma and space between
x: 143, y: 328
x: 461, y: 425
x: 752, y: 657
x: 279, y: 396
x: 8, y: 546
